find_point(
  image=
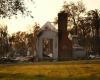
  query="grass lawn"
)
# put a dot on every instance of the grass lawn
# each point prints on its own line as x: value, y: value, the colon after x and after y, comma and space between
x: 69, y: 70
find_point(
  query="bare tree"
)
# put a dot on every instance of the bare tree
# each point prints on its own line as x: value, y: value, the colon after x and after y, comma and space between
x: 75, y: 10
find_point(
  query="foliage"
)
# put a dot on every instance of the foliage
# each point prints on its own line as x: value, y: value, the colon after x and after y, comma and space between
x: 11, y: 7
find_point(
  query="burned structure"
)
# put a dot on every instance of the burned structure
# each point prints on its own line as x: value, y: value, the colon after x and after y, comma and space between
x: 53, y: 43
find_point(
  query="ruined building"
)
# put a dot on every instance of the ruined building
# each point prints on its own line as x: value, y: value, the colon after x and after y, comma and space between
x: 52, y: 43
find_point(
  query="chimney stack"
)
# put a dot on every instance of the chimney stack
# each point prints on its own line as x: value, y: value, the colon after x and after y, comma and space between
x: 62, y: 21
x: 64, y: 44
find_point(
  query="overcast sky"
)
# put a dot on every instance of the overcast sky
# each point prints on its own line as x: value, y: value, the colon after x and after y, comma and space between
x: 43, y: 11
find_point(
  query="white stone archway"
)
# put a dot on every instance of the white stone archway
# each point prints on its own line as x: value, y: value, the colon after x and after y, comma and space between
x: 47, y: 33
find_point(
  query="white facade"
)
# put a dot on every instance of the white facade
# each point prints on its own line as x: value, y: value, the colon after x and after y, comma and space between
x: 47, y: 32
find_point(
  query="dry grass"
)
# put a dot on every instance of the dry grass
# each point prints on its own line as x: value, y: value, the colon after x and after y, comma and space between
x: 57, y: 71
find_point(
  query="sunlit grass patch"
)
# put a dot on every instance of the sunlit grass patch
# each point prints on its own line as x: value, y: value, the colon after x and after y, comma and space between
x: 51, y: 71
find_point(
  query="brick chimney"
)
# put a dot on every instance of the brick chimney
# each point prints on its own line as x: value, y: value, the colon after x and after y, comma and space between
x: 64, y: 44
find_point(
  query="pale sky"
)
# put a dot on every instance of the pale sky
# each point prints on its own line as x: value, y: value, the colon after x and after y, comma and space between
x: 43, y: 11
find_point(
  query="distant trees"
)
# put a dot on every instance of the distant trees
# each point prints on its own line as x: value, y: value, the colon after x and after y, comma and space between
x: 23, y: 43
x: 4, y: 45
x: 89, y: 31
x: 19, y: 43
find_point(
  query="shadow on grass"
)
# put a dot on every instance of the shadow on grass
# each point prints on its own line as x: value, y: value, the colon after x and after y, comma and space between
x: 19, y: 76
